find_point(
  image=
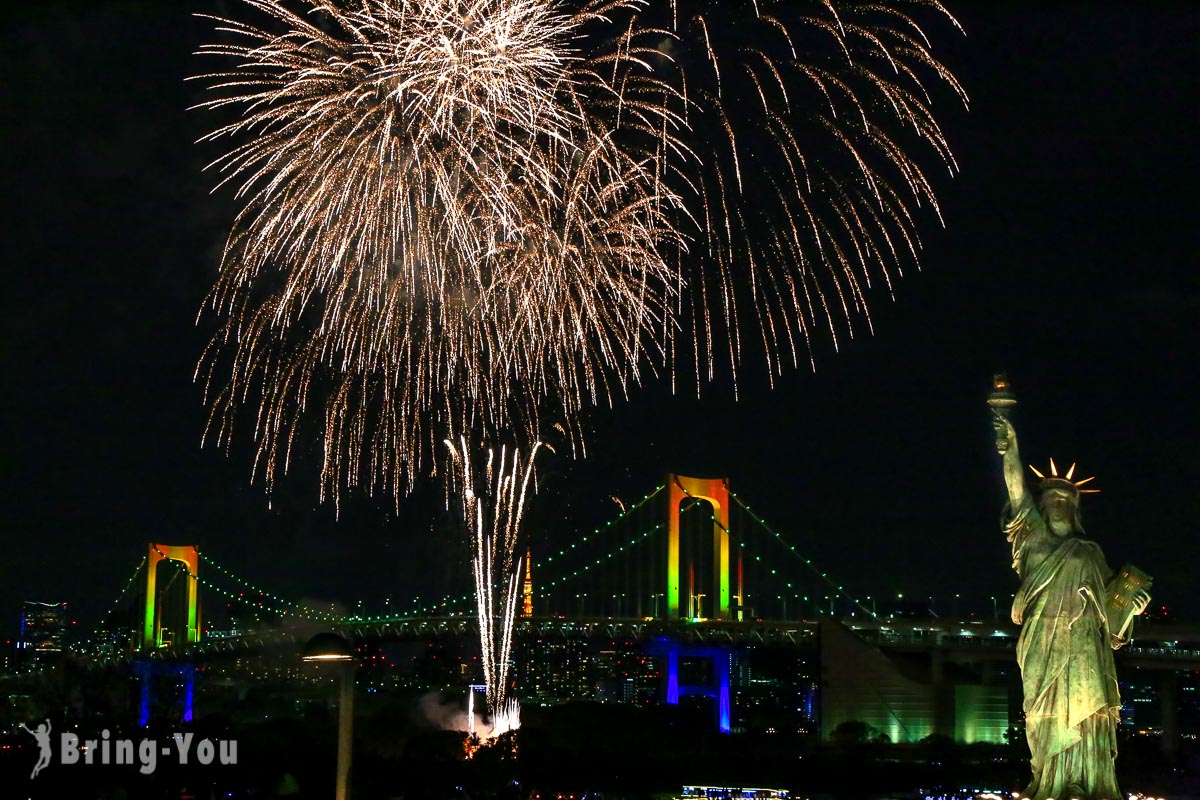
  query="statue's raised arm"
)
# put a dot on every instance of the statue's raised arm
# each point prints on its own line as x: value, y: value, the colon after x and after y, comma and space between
x: 1006, y: 446
x: 1001, y: 401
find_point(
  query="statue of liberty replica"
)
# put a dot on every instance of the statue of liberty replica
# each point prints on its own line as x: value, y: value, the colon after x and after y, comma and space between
x: 1073, y: 613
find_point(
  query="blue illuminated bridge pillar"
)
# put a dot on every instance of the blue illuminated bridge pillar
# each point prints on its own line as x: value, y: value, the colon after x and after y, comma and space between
x: 164, y: 682
x: 719, y: 690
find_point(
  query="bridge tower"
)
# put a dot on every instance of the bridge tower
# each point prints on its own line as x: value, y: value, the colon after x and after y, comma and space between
x: 716, y: 492
x: 190, y: 557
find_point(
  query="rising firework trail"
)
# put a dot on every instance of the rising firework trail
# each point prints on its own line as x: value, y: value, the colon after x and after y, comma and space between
x: 492, y: 500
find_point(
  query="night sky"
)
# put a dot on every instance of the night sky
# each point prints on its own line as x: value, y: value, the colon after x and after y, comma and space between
x: 1068, y: 259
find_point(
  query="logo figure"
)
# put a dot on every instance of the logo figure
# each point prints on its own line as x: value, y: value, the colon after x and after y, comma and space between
x: 42, y: 735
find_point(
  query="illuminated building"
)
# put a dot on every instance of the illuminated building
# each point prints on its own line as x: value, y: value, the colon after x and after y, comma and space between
x: 909, y: 696
x: 443, y: 664
x: 731, y: 793
x: 43, y: 629
x: 553, y: 670
x: 621, y: 672
x: 775, y: 691
x: 113, y: 639
x: 527, y: 587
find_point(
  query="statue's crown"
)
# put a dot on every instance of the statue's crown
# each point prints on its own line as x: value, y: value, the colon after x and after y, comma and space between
x: 1064, y: 482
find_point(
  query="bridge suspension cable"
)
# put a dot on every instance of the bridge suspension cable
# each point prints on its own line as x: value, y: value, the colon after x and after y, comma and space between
x: 791, y: 549
x: 447, y: 604
x: 299, y: 608
x: 644, y: 570
x: 611, y: 562
x: 596, y: 531
x: 637, y: 539
x: 293, y: 610
x: 117, y: 602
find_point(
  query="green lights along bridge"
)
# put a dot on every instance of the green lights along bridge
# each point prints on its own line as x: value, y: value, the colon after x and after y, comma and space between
x: 689, y: 561
x: 690, y: 550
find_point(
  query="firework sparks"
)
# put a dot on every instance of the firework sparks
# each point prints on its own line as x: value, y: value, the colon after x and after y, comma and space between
x: 461, y: 217
x: 808, y: 119
x: 493, y: 515
x: 442, y: 229
x: 507, y: 718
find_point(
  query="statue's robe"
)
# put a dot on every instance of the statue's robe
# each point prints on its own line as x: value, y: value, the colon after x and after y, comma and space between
x: 1072, y: 703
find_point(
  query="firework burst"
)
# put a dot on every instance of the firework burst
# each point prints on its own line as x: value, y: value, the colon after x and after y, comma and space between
x: 812, y: 121
x: 461, y: 219
x: 464, y: 215
x: 443, y: 228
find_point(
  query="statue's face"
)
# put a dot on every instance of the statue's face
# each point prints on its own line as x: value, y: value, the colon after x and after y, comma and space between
x: 1059, y: 510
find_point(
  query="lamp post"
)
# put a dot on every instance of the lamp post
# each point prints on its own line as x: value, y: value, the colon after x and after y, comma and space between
x: 741, y: 608
x: 655, y: 596
x: 617, y: 602
x: 331, y: 648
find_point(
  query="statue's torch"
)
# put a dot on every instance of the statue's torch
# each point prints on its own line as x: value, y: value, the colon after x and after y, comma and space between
x: 1002, y: 401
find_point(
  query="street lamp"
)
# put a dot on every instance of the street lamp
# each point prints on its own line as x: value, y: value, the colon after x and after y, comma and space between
x: 331, y: 648
x: 655, y: 596
x: 741, y: 607
x: 618, y: 601
x: 582, y: 598
x: 699, y: 605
